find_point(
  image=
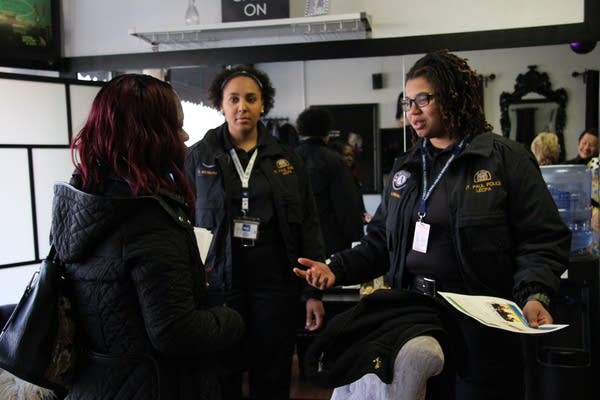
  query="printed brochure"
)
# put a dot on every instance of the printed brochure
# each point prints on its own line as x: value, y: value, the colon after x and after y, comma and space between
x: 496, y: 312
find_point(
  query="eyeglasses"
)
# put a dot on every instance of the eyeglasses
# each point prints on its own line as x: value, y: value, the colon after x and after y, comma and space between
x: 421, y: 100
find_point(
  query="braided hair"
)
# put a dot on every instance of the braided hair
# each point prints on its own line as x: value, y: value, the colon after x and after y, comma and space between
x: 456, y: 91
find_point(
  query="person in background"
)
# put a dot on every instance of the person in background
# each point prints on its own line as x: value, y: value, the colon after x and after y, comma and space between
x: 347, y: 153
x: 587, y: 147
x: 545, y: 148
x: 254, y: 195
x: 340, y: 212
x: 594, y: 166
x: 122, y: 227
x: 465, y: 211
x: 288, y: 135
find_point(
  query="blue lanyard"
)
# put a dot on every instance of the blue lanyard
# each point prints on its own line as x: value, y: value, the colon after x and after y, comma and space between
x: 427, y: 192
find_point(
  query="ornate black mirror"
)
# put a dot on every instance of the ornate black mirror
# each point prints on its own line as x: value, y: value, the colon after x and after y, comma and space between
x: 532, y: 108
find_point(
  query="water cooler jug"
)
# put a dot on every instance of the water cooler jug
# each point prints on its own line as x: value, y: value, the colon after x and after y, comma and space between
x: 565, y: 364
x: 571, y: 189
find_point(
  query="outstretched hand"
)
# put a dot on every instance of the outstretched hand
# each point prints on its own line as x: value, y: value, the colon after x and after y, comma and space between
x: 317, y: 274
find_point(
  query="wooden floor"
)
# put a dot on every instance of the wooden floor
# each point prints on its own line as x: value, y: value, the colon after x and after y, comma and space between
x: 301, y: 389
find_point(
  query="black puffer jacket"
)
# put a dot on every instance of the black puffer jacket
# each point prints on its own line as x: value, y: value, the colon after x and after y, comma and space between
x: 138, y: 290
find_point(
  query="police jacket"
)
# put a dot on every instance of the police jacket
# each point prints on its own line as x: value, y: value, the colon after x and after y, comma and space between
x: 508, y: 236
x: 340, y: 212
x: 207, y: 166
x: 139, y: 296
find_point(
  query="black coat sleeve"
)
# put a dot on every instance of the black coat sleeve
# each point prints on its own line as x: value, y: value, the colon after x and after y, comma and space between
x: 165, y: 270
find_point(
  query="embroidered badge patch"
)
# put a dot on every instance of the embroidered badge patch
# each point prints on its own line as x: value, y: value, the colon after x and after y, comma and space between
x: 483, y: 181
x: 377, y: 363
x: 399, y: 180
x: 283, y: 167
x: 483, y: 175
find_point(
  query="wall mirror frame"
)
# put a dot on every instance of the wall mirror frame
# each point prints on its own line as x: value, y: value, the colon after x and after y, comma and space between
x: 533, y: 107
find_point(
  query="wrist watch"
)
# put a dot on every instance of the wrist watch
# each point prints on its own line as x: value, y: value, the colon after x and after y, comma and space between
x: 541, y: 297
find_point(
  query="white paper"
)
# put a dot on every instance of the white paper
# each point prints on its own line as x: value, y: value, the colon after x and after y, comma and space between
x: 496, y: 312
x: 204, y: 239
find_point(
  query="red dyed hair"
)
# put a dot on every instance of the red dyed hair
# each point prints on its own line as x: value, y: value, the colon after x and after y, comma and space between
x: 133, y: 131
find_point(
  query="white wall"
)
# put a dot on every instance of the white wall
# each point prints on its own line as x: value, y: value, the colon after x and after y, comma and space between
x: 346, y: 81
x: 96, y: 28
x: 13, y: 282
x: 34, y: 140
x: 101, y: 27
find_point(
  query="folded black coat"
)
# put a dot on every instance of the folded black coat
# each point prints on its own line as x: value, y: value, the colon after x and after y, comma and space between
x: 367, y: 337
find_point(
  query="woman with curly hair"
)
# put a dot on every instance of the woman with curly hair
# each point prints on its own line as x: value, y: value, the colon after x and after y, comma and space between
x: 253, y: 194
x: 465, y: 210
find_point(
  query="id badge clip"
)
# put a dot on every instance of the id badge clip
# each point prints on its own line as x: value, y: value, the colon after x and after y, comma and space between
x: 421, y: 237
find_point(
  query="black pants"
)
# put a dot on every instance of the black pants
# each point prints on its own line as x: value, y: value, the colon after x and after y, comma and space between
x: 266, y: 294
x: 494, y: 368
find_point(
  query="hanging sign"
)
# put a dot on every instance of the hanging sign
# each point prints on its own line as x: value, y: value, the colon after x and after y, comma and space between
x: 250, y: 10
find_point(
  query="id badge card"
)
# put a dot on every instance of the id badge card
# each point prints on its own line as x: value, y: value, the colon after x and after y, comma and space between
x: 421, y: 237
x: 246, y: 228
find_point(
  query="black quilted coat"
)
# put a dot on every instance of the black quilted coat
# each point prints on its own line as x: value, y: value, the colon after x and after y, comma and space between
x: 138, y: 291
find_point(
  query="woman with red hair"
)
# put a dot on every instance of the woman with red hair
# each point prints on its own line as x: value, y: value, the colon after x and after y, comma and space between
x: 123, y: 229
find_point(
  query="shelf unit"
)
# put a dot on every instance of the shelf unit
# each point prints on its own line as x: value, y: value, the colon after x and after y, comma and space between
x: 261, y: 32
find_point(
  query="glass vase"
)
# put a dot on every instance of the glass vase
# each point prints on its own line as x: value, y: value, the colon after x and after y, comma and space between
x: 191, y: 14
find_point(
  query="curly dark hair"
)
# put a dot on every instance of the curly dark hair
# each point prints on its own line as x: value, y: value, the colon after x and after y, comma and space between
x: 215, y: 90
x: 314, y: 122
x: 456, y: 91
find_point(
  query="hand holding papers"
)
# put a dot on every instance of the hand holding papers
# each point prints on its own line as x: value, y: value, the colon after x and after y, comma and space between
x: 496, y: 312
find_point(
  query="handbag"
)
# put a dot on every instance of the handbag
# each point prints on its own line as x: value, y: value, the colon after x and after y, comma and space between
x: 37, y: 343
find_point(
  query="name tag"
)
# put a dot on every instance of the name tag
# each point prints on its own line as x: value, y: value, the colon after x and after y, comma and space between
x: 246, y: 228
x: 421, y: 237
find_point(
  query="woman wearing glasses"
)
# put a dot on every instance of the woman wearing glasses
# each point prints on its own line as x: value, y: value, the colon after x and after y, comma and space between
x: 467, y: 211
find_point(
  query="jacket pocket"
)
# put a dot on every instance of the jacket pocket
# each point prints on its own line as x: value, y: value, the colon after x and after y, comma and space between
x: 292, y: 208
x: 485, y: 233
x: 486, y: 247
x: 209, y: 201
x: 291, y: 229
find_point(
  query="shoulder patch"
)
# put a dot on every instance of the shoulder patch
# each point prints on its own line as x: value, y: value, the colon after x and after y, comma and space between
x: 400, y: 178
